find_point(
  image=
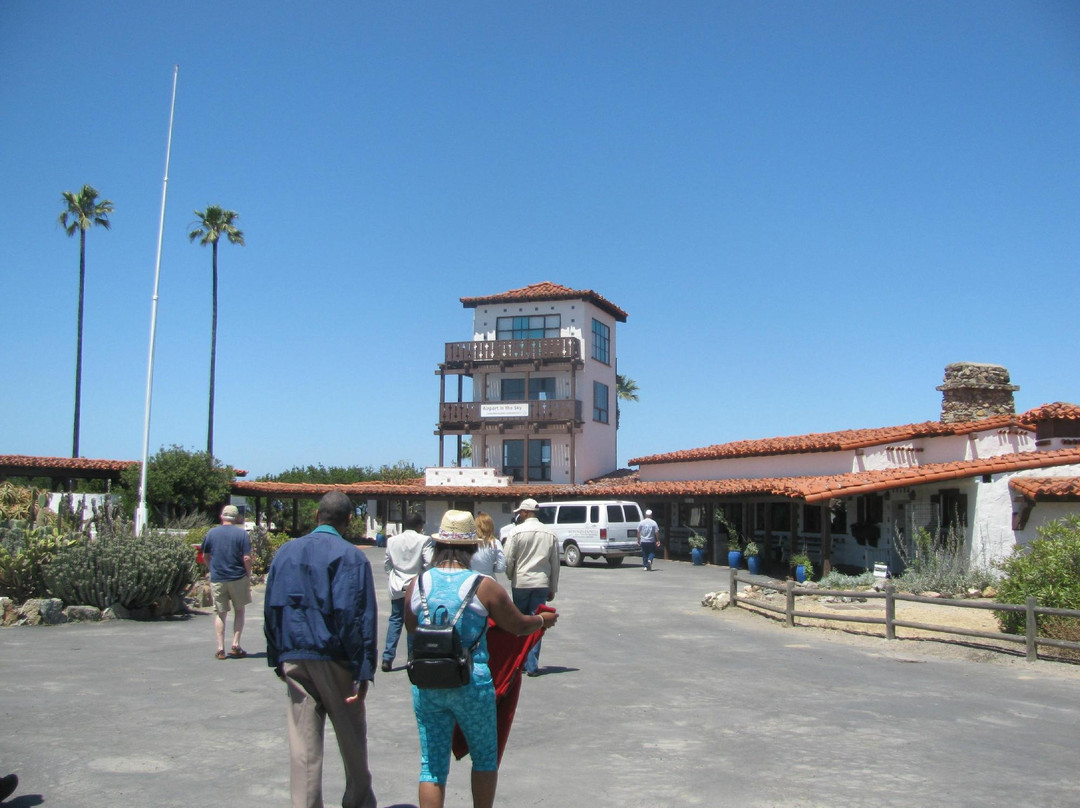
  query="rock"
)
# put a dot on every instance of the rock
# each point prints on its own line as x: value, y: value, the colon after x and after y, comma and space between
x: 8, y: 613
x: 200, y: 594
x: 116, y: 612
x: 716, y: 600
x: 930, y: 594
x: 82, y: 614
x: 42, y: 611
x: 990, y: 592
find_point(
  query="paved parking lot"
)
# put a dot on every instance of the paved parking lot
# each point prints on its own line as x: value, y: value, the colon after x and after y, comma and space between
x: 647, y: 700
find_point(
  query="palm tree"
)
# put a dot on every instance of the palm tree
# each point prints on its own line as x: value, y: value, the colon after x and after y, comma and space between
x: 83, y: 211
x: 212, y: 224
x: 625, y: 390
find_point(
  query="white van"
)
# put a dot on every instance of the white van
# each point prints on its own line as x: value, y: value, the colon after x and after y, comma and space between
x: 604, y: 528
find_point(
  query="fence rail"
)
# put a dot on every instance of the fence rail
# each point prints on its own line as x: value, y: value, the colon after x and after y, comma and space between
x: 1030, y: 639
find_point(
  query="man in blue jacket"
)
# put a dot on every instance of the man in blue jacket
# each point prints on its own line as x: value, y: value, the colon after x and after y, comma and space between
x: 321, y: 630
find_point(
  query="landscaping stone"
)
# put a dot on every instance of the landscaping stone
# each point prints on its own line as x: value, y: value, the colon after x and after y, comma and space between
x: 82, y: 614
x: 42, y: 611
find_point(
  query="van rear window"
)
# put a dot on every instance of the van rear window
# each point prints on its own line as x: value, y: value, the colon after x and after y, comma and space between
x: 546, y: 514
x: 615, y: 513
x: 572, y: 515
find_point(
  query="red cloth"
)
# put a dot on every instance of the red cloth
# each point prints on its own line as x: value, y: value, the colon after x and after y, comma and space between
x: 506, y: 658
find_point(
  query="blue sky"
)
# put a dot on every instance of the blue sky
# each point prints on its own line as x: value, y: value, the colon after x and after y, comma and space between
x: 808, y: 209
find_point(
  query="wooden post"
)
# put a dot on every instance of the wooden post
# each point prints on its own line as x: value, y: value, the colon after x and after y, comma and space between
x: 733, y: 590
x: 1031, y: 630
x: 890, y: 612
x: 826, y: 538
x: 789, y: 607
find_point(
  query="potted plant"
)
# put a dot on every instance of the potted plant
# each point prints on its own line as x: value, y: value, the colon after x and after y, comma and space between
x: 804, y: 568
x: 697, y: 548
x: 735, y: 554
x: 753, y: 557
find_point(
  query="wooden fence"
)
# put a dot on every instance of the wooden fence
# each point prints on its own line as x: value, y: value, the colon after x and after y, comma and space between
x: 1031, y: 609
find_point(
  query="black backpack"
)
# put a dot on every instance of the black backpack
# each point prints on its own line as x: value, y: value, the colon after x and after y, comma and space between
x: 437, y: 659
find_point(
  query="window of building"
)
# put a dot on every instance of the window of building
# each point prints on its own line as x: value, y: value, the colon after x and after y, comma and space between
x: 811, y: 518
x: 512, y: 390
x: 537, y: 326
x: 600, y: 402
x: 601, y: 342
x: 539, y: 460
x: 542, y: 388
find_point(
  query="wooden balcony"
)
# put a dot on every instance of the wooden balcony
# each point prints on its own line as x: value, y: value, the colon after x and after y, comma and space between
x: 485, y: 416
x: 507, y: 352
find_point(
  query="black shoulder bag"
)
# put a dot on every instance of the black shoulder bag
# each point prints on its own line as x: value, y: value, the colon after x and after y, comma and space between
x: 437, y: 659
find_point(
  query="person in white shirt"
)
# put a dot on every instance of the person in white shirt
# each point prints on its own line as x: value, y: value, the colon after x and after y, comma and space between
x: 407, y: 555
x: 532, y: 565
x: 489, y: 557
x: 648, y: 535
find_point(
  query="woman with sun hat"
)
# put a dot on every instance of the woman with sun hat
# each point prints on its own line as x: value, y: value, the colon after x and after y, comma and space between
x: 471, y: 706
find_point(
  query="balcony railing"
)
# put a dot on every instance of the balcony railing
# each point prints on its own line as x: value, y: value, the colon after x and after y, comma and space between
x: 459, y: 354
x: 460, y: 413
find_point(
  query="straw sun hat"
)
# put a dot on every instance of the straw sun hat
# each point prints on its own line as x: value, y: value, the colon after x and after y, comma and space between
x: 457, y: 527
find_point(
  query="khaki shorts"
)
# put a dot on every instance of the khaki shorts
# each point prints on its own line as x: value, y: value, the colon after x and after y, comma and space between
x: 237, y: 592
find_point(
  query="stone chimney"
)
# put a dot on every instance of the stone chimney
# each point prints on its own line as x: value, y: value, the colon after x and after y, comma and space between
x: 973, y: 391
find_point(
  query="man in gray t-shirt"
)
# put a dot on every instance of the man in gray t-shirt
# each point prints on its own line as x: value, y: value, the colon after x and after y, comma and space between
x: 648, y: 536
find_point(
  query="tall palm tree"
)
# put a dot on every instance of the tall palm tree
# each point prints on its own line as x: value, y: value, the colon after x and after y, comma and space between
x: 82, y: 211
x: 211, y: 225
x: 625, y: 390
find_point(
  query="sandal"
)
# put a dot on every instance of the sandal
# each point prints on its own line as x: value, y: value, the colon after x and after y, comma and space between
x: 219, y: 655
x: 237, y: 652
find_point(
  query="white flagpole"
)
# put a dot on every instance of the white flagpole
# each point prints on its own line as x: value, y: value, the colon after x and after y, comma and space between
x: 140, y: 512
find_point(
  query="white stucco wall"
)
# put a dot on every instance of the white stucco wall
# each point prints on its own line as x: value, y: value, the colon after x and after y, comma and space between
x: 900, y: 454
x: 595, y: 446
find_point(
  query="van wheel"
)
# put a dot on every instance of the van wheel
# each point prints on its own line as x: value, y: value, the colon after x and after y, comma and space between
x: 572, y: 555
x: 614, y: 562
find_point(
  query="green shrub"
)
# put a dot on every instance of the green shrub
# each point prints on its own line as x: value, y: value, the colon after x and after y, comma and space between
x: 263, y: 546
x: 25, y: 554
x: 1048, y: 569
x: 136, y: 573
x: 837, y: 580
x: 940, y: 565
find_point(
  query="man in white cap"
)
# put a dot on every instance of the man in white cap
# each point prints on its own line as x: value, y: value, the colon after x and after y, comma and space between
x: 532, y: 565
x: 648, y: 534
x: 227, y: 550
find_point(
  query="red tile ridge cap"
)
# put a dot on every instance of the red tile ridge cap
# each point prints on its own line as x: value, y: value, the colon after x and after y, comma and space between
x: 1058, y: 411
x: 1033, y: 488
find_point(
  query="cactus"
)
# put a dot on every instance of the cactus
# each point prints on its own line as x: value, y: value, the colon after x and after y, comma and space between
x: 121, y: 569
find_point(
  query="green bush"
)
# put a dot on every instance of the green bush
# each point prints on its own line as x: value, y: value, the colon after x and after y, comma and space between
x: 940, y: 565
x: 25, y: 554
x: 150, y: 571
x: 263, y: 546
x: 1048, y: 569
x: 837, y: 580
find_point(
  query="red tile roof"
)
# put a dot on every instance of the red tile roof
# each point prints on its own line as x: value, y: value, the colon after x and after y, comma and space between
x: 830, y: 441
x: 30, y: 466
x: 627, y: 485
x: 547, y: 291
x: 1043, y: 488
x: 33, y: 466
x: 1058, y: 411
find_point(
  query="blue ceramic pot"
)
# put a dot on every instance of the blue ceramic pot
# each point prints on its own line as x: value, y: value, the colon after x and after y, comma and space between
x: 800, y: 574
x: 698, y: 556
x: 734, y: 559
x: 753, y: 563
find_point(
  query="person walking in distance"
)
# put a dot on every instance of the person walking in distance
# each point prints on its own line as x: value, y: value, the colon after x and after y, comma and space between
x: 321, y: 625
x: 648, y: 535
x: 532, y: 565
x: 407, y: 555
x: 227, y: 550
